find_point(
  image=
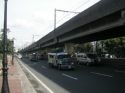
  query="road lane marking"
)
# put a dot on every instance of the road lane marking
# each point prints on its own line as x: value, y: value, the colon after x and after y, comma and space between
x: 101, y: 74
x: 44, y: 67
x: 120, y: 71
x: 43, y: 84
x: 69, y: 76
x: 34, y: 63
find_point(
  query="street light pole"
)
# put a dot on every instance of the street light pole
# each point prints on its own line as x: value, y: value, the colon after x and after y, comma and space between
x: 61, y: 11
x: 67, y: 11
x: 5, y: 86
x: 33, y: 38
x: 54, y: 19
x: 55, y: 26
x: 54, y: 32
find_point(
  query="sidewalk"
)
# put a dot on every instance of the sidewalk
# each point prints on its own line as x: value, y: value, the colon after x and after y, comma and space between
x: 18, y: 82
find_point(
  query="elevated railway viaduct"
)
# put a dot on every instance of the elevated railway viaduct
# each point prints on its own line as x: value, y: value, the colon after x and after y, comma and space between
x: 104, y: 20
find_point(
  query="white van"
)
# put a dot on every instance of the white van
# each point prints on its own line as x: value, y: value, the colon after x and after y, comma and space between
x: 82, y: 58
x: 60, y: 60
x: 87, y: 58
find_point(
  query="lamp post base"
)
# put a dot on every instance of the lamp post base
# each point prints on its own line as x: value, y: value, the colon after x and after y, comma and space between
x: 5, y: 87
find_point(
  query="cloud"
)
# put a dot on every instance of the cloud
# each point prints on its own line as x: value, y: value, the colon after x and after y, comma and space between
x: 23, y: 23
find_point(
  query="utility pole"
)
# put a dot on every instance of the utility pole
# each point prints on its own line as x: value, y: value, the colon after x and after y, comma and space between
x: 5, y: 86
x: 58, y: 10
x: 33, y: 38
x: 54, y: 34
x: 55, y: 14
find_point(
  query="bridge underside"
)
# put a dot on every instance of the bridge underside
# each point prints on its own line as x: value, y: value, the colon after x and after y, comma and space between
x: 110, y: 26
x: 106, y: 34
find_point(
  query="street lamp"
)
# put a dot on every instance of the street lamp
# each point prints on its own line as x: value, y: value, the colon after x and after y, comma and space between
x: 5, y: 86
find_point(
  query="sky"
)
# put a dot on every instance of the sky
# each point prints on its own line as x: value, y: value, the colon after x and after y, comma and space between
x: 30, y: 20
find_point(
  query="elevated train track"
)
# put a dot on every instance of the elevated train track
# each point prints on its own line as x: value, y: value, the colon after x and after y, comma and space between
x: 106, y: 19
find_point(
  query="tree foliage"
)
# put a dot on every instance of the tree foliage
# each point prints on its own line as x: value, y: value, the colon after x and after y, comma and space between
x: 9, y: 44
x: 86, y: 47
x: 0, y: 41
x: 115, y: 46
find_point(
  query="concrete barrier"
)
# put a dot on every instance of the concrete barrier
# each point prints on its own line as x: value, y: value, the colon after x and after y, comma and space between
x: 117, y: 62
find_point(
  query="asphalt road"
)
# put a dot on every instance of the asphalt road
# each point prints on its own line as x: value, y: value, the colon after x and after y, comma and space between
x: 93, y: 79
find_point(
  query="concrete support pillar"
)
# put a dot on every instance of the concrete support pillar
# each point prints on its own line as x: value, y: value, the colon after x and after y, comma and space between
x: 47, y: 50
x: 69, y: 48
x: 94, y: 46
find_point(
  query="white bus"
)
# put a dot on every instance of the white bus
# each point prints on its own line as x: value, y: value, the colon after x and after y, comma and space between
x: 60, y: 60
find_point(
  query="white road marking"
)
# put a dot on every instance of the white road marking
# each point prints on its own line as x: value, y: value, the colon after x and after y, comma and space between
x: 44, y: 67
x: 69, y: 76
x: 101, y: 74
x: 34, y: 63
x: 120, y: 71
x: 43, y: 84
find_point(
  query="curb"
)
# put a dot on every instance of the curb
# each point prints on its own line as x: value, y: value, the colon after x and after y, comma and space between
x: 25, y: 83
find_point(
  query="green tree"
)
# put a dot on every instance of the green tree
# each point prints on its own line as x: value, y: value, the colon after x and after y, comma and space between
x: 9, y: 44
x: 0, y: 44
x: 86, y: 47
x: 115, y: 46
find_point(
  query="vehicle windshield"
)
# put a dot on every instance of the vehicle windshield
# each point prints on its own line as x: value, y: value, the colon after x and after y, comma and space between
x: 66, y: 60
x: 63, y: 56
